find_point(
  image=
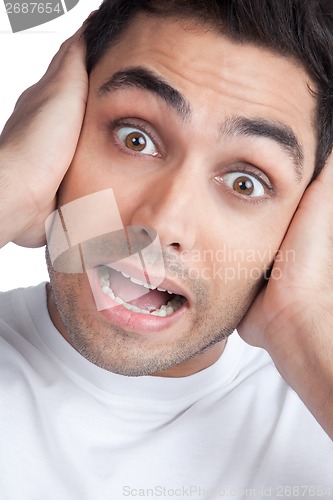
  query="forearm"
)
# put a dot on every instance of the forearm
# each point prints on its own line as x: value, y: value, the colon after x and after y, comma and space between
x: 306, y: 364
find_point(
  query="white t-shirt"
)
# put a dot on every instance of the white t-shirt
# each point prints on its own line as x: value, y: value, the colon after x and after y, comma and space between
x: 73, y: 431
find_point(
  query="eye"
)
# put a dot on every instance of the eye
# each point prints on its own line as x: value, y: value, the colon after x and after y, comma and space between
x: 136, y: 140
x: 245, y: 184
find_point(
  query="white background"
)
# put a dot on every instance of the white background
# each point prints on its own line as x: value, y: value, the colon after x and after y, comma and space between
x: 24, y: 58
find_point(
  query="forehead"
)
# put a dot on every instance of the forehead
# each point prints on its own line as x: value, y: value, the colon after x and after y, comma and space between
x: 219, y: 77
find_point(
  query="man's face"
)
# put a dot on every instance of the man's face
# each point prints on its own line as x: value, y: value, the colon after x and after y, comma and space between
x: 212, y: 145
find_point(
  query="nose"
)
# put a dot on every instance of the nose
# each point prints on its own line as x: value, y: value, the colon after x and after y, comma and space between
x: 172, y: 206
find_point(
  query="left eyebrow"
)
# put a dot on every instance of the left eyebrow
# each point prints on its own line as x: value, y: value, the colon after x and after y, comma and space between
x: 270, y: 129
x: 141, y: 78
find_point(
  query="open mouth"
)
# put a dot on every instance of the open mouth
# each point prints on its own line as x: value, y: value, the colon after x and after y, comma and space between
x: 138, y: 296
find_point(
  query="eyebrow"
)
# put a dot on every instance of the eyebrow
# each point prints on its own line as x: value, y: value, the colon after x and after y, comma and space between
x: 139, y: 77
x: 142, y: 78
x: 270, y: 129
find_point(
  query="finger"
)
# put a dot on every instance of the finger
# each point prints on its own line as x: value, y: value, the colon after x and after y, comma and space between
x: 312, y: 223
x: 321, y: 188
x: 76, y: 41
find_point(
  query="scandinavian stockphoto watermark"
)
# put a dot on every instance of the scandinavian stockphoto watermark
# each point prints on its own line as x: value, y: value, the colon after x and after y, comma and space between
x: 26, y: 14
x: 229, y: 264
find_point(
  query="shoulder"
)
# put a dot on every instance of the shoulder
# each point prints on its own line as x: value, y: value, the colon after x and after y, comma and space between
x: 17, y: 310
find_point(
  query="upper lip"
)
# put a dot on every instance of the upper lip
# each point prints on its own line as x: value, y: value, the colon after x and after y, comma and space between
x: 153, y: 279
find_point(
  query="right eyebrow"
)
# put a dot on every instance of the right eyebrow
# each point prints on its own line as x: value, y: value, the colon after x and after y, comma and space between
x: 142, y: 78
x: 280, y: 133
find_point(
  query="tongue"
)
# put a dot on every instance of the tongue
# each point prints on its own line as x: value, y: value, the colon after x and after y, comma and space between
x: 137, y: 295
x: 152, y: 301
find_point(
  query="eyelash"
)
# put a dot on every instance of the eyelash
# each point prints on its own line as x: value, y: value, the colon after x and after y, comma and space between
x: 246, y: 169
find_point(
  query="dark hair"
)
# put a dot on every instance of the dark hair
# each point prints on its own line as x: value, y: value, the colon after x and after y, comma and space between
x: 301, y: 29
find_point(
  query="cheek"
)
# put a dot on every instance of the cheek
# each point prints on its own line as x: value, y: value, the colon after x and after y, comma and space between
x: 243, y: 248
x: 84, y: 176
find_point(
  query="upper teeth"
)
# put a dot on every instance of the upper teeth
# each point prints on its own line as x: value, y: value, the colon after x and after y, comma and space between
x: 164, y: 310
x: 139, y: 282
x: 104, y: 276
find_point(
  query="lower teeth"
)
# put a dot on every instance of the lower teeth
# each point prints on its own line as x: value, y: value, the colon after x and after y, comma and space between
x: 165, y: 310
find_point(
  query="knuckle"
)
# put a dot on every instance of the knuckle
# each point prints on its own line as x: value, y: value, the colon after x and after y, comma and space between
x: 24, y: 96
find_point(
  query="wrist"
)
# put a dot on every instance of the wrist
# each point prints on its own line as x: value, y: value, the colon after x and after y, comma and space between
x: 16, y: 214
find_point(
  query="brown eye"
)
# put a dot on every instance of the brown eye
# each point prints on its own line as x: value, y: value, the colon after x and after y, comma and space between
x: 243, y: 185
x: 136, y: 140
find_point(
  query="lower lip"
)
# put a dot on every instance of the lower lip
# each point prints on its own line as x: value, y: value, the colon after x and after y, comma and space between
x: 129, y: 320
